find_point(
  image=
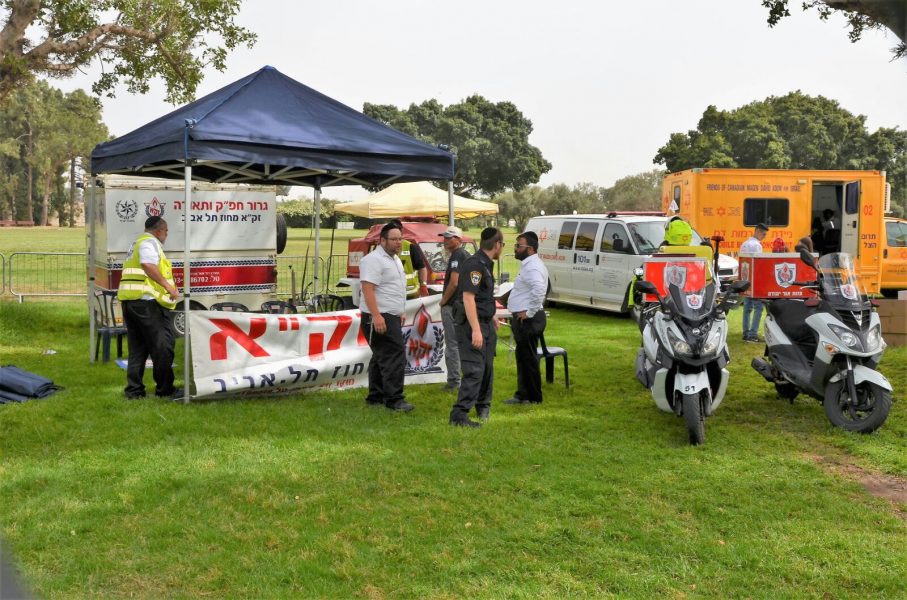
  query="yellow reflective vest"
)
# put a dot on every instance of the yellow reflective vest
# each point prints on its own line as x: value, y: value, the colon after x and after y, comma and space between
x: 412, y: 277
x: 135, y: 283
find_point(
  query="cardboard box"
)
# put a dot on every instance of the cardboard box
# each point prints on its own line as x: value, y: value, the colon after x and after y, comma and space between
x: 902, y: 295
x: 892, y: 308
x: 688, y: 272
x: 894, y: 325
x: 772, y: 276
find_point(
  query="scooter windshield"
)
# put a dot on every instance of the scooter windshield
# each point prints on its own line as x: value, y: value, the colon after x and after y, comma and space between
x: 839, y: 282
x: 689, y: 288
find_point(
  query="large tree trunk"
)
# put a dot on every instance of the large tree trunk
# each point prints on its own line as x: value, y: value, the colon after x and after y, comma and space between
x: 46, y: 200
x: 29, y: 174
x: 72, y: 192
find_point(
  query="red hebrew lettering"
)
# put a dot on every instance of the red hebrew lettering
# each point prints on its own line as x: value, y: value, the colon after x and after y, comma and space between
x: 316, y: 346
x: 229, y: 329
x: 344, y: 322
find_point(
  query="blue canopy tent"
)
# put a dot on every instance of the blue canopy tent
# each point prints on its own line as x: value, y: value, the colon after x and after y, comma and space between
x: 267, y: 128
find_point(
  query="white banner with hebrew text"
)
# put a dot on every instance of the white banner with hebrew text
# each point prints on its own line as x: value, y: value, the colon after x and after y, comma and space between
x: 254, y: 353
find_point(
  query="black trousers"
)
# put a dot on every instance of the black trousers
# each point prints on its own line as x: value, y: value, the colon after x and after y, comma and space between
x: 526, y: 336
x: 478, y: 370
x: 385, y: 369
x: 149, y: 332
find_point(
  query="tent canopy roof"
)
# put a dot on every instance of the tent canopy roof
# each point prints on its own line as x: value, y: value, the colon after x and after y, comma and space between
x: 268, y: 128
x: 419, y: 198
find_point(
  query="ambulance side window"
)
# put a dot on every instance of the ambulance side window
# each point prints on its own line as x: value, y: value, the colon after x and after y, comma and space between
x: 774, y: 212
x: 585, y: 238
x: 615, y: 239
x: 897, y: 234
x: 565, y: 240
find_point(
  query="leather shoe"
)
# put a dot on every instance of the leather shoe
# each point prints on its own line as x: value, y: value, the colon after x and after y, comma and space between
x: 483, y: 413
x: 176, y: 393
x: 465, y: 422
x: 451, y: 387
x: 401, y: 406
x: 516, y: 401
x: 135, y: 396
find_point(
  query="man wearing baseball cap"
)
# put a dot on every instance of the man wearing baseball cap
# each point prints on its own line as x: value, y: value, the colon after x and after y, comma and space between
x: 453, y: 245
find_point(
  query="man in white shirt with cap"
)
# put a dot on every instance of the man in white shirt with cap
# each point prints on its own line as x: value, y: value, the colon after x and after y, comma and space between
x: 528, y: 318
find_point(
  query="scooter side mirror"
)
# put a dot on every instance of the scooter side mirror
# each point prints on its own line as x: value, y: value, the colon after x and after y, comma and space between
x: 646, y: 287
x: 739, y: 287
x: 806, y: 257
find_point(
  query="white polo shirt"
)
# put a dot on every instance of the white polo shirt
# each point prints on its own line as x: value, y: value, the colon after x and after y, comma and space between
x: 386, y: 273
x: 529, y: 289
x: 751, y: 246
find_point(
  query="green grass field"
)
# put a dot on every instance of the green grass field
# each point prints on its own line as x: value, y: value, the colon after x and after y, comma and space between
x: 595, y: 493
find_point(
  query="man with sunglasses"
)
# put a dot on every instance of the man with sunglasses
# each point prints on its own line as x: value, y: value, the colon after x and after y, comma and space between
x: 528, y: 320
x: 477, y: 330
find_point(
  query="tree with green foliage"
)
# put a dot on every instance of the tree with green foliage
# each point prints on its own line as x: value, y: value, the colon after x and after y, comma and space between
x: 491, y: 141
x: 134, y: 41
x: 795, y: 131
x: 42, y: 130
x: 638, y: 192
x: 861, y: 15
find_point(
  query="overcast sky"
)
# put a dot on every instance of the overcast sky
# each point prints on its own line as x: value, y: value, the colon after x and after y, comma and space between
x: 603, y: 82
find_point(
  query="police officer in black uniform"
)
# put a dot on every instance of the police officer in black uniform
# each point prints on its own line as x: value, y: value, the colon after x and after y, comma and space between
x: 477, y: 330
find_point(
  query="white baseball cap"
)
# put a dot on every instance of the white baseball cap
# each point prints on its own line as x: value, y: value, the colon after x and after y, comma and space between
x: 452, y: 231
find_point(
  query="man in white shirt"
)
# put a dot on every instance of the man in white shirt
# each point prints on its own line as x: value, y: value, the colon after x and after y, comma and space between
x: 753, y: 308
x: 528, y: 319
x: 383, y: 305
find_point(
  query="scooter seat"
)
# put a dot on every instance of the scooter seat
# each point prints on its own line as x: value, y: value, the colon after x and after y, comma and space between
x: 791, y: 318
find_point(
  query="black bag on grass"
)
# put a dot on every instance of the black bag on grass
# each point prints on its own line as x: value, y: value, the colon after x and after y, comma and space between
x: 17, y: 385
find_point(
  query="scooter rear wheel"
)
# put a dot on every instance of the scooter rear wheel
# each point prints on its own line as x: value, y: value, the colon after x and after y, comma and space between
x: 864, y: 414
x: 692, y: 416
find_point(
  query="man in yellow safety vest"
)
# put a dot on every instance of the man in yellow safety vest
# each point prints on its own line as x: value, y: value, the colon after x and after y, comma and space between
x: 148, y: 294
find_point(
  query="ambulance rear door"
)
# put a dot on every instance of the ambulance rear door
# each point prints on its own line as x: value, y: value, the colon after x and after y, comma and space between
x: 850, y: 219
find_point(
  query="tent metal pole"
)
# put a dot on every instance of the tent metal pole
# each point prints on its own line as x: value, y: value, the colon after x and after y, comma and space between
x: 317, y: 225
x: 187, y: 283
x: 450, y: 203
x: 92, y: 326
x: 187, y: 202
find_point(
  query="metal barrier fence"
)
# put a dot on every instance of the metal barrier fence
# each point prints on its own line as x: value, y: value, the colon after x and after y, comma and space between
x: 331, y: 270
x: 25, y: 274
x: 46, y: 274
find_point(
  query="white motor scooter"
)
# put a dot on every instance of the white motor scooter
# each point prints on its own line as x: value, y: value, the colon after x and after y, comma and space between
x: 684, y: 343
x: 829, y: 347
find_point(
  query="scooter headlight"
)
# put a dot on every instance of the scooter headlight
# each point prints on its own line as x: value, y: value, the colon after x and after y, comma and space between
x: 874, y: 339
x: 679, y: 346
x: 850, y: 339
x: 712, y: 343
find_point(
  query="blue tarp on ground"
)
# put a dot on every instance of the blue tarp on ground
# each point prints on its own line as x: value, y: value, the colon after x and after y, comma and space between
x: 269, y: 128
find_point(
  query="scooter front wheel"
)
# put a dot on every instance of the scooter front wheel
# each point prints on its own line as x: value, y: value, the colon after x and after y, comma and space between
x: 863, y: 414
x: 692, y: 416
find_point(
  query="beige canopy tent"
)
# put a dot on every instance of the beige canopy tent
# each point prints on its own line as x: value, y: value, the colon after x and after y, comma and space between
x: 419, y: 198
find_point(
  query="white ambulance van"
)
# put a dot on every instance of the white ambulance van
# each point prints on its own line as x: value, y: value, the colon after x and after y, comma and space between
x: 236, y: 236
x: 591, y: 258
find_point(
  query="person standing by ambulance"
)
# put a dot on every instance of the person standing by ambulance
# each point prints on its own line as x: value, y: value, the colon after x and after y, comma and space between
x: 752, y: 308
x: 477, y: 330
x: 148, y: 294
